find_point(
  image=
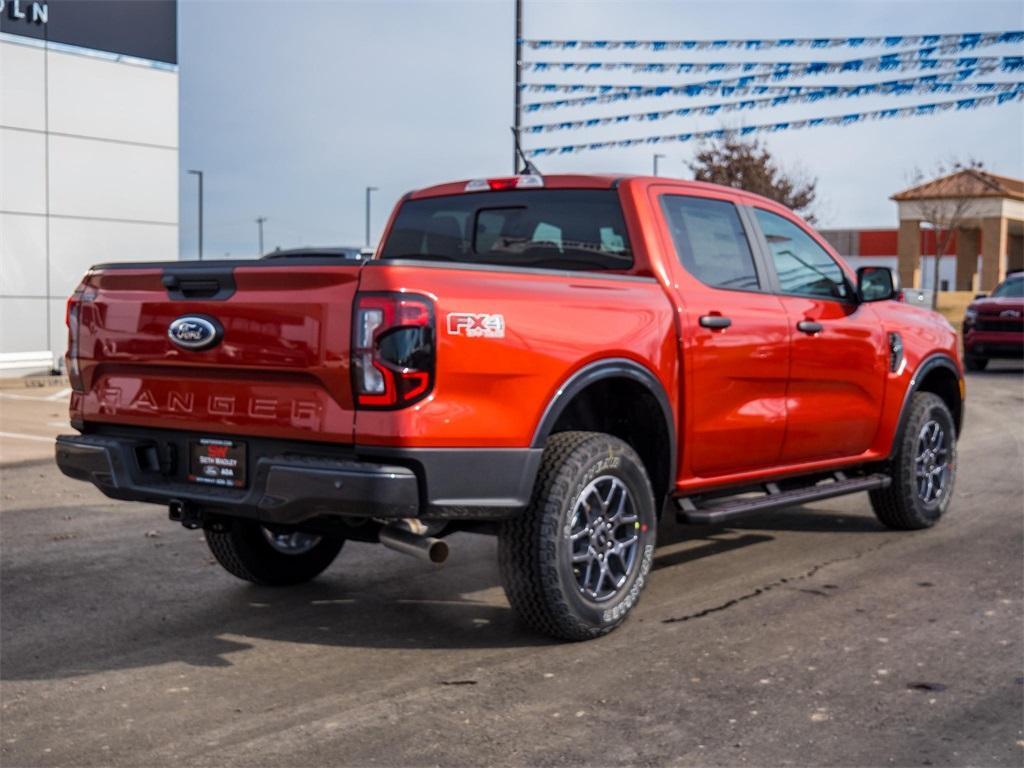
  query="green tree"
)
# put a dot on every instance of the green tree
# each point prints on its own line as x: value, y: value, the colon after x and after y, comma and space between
x: 748, y: 165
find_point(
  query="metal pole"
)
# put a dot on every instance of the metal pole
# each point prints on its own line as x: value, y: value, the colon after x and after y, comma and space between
x: 259, y: 223
x: 656, y: 156
x: 516, y: 121
x: 199, y: 175
x: 368, y: 191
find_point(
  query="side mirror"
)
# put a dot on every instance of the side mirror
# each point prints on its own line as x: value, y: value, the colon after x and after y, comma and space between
x: 877, y: 284
x: 980, y: 295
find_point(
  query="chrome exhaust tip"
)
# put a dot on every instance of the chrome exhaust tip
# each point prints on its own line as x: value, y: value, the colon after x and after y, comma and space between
x: 405, y: 541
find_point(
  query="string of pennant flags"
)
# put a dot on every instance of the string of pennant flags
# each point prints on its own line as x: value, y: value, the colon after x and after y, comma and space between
x: 607, y: 93
x: 939, y: 63
x: 792, y: 95
x: 757, y: 44
x: 781, y: 68
x: 917, y: 110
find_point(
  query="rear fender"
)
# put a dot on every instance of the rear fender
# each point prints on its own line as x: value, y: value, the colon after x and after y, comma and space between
x: 613, y: 368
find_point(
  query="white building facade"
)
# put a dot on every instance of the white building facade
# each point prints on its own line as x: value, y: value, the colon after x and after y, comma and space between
x: 88, y: 157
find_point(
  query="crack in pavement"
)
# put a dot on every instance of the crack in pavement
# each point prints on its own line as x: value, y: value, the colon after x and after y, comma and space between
x: 774, y: 585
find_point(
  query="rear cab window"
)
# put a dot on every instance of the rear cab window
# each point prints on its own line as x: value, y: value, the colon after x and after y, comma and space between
x: 710, y: 241
x: 570, y: 229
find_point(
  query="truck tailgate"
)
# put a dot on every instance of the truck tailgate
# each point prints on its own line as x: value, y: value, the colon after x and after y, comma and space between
x: 281, y: 368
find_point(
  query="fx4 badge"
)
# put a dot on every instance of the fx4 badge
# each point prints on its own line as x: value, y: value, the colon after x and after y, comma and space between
x: 476, y: 326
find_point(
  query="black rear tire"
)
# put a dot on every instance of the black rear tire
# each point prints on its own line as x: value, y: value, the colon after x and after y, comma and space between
x: 972, y: 363
x: 244, y: 551
x: 591, y: 498
x: 909, y: 503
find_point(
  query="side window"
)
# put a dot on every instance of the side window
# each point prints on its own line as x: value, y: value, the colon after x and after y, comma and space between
x: 804, y: 267
x: 710, y: 241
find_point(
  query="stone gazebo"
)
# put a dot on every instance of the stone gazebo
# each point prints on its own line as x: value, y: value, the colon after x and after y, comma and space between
x: 991, y: 225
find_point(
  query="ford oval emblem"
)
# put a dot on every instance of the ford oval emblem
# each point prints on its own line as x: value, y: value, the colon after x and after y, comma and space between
x: 195, y: 332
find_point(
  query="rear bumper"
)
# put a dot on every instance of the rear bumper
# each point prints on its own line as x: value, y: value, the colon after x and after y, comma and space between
x: 291, y: 482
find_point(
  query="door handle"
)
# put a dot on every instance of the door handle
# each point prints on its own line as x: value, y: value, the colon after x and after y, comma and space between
x: 715, y: 322
x: 809, y: 326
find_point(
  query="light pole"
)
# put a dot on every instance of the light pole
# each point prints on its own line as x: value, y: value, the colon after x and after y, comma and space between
x: 199, y: 175
x: 656, y: 158
x: 259, y: 223
x: 368, y: 191
x: 517, y: 95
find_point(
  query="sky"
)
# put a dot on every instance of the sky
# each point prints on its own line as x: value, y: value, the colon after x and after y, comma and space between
x: 292, y: 108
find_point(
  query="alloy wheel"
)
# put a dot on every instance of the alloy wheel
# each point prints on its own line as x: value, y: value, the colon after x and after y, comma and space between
x: 292, y: 543
x: 604, y: 534
x: 931, y: 465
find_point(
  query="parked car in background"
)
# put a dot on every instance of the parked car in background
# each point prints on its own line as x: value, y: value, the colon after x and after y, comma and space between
x: 917, y: 297
x: 994, y: 324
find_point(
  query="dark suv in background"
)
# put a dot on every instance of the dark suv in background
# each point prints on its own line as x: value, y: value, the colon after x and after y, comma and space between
x: 994, y: 324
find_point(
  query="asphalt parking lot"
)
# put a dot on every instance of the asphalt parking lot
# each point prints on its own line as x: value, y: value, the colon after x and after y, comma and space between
x: 807, y: 637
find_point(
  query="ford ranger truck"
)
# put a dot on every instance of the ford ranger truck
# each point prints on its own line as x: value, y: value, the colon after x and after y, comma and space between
x: 560, y: 361
x: 994, y: 325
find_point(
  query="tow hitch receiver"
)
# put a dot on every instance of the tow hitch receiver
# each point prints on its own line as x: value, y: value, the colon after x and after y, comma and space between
x: 189, y: 515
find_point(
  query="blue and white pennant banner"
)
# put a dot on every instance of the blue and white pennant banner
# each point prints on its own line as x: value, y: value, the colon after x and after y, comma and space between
x: 607, y: 93
x: 789, y: 95
x: 790, y: 125
x: 887, y: 61
x: 964, y: 40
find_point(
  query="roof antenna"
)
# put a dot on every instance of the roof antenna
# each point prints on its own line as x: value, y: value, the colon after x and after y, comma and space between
x: 528, y: 167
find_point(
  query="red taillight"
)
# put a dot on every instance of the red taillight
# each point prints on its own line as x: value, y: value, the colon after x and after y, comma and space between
x: 392, y: 349
x: 528, y: 181
x: 82, y: 296
x: 71, y: 320
x: 508, y: 183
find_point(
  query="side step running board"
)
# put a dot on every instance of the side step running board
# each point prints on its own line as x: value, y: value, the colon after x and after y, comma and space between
x: 699, y: 511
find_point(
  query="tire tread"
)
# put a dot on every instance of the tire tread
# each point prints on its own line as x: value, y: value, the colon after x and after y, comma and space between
x: 897, y: 506
x: 527, y: 554
x: 243, y: 552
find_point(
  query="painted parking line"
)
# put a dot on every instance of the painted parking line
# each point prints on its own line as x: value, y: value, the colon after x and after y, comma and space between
x: 20, y: 436
x: 37, y: 398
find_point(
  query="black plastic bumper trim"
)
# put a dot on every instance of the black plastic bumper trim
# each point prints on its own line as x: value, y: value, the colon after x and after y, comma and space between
x: 481, y: 483
x: 285, y: 489
x: 292, y: 481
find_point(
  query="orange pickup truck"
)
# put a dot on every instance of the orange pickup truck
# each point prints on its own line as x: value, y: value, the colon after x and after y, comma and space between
x: 556, y: 360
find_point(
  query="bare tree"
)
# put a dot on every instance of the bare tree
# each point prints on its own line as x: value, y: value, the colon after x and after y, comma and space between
x: 736, y: 162
x: 951, y: 190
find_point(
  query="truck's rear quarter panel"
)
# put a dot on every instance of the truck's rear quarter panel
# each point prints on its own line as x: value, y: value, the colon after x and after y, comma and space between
x: 492, y: 392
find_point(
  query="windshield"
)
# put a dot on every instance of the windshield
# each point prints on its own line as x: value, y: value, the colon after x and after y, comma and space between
x: 579, y: 229
x: 1013, y: 288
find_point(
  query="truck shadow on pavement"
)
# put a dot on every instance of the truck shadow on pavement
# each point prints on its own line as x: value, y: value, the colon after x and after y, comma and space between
x: 100, y: 614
